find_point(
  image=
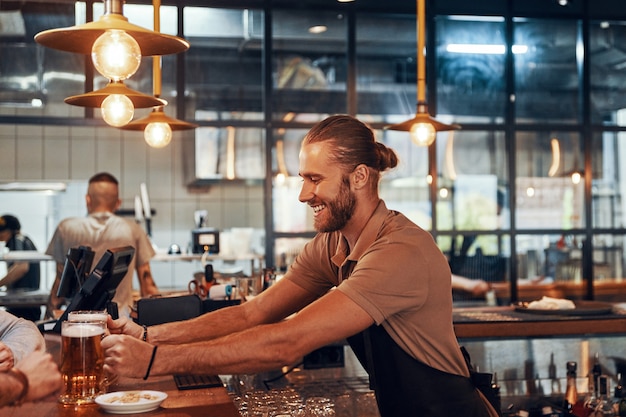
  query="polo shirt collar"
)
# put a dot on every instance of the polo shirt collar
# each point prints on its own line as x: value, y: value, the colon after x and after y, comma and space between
x: 366, y: 238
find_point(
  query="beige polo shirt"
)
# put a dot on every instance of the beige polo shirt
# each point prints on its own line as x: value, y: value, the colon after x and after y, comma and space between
x: 398, y: 275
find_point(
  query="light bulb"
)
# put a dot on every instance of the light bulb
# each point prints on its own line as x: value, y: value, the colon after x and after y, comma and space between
x: 576, y: 177
x: 158, y: 134
x: 117, y: 110
x: 423, y: 134
x: 116, y: 55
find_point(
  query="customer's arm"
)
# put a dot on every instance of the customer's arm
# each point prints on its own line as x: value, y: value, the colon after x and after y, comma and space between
x: 19, y: 338
x: 14, y: 273
x: 55, y: 302
x: 36, y: 377
x: 476, y: 287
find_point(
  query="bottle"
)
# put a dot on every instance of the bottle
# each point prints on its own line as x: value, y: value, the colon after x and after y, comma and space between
x: 596, y: 371
x: 496, y: 392
x: 620, y: 397
x: 571, y: 393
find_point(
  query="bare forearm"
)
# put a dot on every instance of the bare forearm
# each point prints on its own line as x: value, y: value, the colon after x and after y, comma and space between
x: 147, y: 286
x: 10, y: 388
x: 262, y: 348
x: 15, y: 273
x: 205, y: 327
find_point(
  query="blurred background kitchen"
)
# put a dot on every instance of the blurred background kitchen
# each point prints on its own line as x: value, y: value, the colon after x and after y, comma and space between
x: 526, y: 195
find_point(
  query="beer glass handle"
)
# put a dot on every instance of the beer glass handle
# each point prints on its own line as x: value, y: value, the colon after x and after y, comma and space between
x: 112, y: 310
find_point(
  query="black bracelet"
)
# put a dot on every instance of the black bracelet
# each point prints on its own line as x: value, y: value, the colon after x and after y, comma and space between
x: 144, y: 337
x: 151, y: 362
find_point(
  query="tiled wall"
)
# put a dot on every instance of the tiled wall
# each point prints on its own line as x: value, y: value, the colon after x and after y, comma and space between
x: 61, y: 153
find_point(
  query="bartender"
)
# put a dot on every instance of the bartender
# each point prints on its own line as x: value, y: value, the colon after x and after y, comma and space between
x: 20, y: 275
x: 370, y: 276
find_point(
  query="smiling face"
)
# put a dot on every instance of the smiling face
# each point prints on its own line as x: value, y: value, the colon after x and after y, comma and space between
x: 325, y: 187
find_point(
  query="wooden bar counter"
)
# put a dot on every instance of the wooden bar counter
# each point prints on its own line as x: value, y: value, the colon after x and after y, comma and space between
x: 186, y: 403
x: 190, y: 403
x: 509, y: 322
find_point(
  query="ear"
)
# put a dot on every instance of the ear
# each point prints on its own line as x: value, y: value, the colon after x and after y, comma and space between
x: 117, y: 205
x: 360, y: 176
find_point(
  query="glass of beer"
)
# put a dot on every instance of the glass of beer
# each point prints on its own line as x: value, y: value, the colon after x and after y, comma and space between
x: 82, y: 361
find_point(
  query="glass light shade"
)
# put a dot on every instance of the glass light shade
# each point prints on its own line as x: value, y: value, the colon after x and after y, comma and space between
x: 117, y: 110
x: 158, y: 135
x: 423, y: 134
x: 116, y: 55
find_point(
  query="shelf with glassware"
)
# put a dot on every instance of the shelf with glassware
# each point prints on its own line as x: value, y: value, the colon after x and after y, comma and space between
x: 256, y: 260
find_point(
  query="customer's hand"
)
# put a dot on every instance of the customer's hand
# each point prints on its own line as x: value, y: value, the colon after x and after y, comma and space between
x: 43, y: 375
x: 478, y: 287
x: 126, y: 356
x: 7, y: 360
x: 124, y: 325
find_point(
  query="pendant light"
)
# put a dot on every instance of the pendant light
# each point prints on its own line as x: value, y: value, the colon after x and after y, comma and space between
x: 157, y: 126
x: 80, y: 38
x: 116, y: 47
x: 422, y: 128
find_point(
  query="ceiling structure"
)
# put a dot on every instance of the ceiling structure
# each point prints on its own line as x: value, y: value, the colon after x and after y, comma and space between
x: 29, y: 71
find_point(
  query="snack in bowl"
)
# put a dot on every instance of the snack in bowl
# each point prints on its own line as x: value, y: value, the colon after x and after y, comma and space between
x: 550, y: 303
x: 131, y: 397
x: 129, y: 402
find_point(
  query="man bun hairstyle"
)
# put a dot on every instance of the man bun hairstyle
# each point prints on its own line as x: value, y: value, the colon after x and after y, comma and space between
x: 354, y: 143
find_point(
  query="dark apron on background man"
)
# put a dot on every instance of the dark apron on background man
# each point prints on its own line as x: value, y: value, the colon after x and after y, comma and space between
x: 407, y: 387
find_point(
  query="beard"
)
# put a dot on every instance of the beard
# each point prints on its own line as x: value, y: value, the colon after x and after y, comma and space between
x: 339, y: 211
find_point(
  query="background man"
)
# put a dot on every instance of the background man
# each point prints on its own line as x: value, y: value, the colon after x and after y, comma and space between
x: 20, y: 275
x: 101, y: 230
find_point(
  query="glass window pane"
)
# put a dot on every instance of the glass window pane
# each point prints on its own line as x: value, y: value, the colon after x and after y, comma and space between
x: 406, y: 188
x: 549, y: 183
x: 608, y: 267
x: 476, y: 258
x: 607, y: 204
x: 229, y: 152
x: 546, y: 77
x: 472, y: 181
x: 290, y: 215
x: 36, y: 79
x: 309, y: 60
x: 552, y: 265
x: 607, y: 62
x: 470, y: 68
x: 223, y: 64
x: 386, y: 67
x: 546, y: 263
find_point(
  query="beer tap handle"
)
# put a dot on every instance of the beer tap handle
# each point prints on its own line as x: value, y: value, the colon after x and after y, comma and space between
x: 112, y: 310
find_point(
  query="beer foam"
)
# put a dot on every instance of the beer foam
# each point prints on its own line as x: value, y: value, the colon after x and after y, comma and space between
x: 87, y: 317
x: 82, y: 330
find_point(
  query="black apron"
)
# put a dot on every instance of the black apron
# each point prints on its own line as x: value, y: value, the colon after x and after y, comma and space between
x: 406, y: 387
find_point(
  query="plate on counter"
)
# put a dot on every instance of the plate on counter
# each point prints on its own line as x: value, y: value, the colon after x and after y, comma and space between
x: 129, y: 402
x: 582, y: 308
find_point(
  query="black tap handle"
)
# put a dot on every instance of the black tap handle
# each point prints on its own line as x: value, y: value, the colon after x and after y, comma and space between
x: 112, y: 310
x: 208, y: 273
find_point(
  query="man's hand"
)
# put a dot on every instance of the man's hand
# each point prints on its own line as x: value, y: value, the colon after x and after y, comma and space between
x: 124, y: 326
x: 126, y: 356
x: 7, y: 360
x: 43, y: 375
